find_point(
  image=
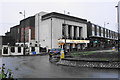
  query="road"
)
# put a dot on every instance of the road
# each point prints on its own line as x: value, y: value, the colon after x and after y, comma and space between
x: 40, y: 67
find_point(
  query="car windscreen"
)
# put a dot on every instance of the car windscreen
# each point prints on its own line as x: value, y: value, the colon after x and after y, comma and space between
x: 55, y: 49
x: 52, y: 50
x: 58, y: 49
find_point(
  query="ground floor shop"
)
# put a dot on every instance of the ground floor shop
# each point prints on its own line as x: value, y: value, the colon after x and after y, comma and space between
x: 73, y: 45
x: 96, y: 42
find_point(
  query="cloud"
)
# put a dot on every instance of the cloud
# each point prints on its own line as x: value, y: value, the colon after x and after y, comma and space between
x: 59, y: 0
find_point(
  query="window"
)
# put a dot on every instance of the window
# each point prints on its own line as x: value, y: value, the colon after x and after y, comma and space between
x: 97, y: 30
x: 112, y: 34
x: 101, y: 32
x: 63, y: 30
x: 33, y: 49
x: 35, y: 45
x: 93, y: 30
x: 69, y: 31
x: 21, y: 44
x: 13, y: 49
x: 108, y: 33
x: 105, y: 33
x: 75, y: 31
x: 93, y: 27
x: 5, y: 50
x: 93, y: 33
x: 80, y: 31
x: 19, y: 49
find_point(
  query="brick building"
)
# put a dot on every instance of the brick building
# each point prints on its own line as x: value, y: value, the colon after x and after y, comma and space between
x: 16, y: 32
x: 49, y: 29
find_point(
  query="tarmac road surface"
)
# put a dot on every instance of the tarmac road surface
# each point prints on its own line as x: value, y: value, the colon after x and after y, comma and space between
x: 40, y: 67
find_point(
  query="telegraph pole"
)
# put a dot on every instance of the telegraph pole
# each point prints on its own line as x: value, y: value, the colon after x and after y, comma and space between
x: 23, y: 33
x: 64, y: 34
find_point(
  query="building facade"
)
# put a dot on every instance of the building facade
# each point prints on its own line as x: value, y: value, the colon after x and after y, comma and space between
x: 16, y: 32
x: 4, y: 40
x: 45, y: 31
x: 51, y: 27
x: 101, y: 37
x: 29, y: 23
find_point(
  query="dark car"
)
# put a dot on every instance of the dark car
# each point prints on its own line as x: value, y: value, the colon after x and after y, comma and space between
x: 55, y: 51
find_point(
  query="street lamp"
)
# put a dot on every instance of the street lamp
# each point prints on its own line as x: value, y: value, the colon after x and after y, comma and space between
x: 105, y: 24
x: 65, y: 33
x: 23, y: 32
x: 118, y: 27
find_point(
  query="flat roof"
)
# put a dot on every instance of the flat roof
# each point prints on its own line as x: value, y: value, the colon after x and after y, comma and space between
x: 63, y: 16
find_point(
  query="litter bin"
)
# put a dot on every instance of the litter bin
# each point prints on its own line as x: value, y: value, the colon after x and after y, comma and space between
x: 34, y: 52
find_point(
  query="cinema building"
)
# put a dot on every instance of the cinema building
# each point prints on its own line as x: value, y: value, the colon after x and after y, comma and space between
x: 45, y: 31
x: 53, y: 28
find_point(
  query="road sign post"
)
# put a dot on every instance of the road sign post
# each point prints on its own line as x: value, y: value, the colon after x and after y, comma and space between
x: 62, y: 54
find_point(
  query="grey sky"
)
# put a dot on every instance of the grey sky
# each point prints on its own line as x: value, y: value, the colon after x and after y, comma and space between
x: 96, y: 11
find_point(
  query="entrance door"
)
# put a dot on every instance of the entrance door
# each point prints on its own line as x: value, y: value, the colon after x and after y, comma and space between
x: 71, y: 48
x: 76, y: 47
x: 5, y: 50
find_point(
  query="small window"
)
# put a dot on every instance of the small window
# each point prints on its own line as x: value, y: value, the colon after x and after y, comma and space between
x: 33, y: 49
x: 13, y: 49
x: 21, y: 44
x: 35, y: 45
x: 5, y: 50
x: 19, y: 49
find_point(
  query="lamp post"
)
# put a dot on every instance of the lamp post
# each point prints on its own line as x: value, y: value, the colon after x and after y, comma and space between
x: 118, y: 29
x: 65, y: 32
x: 105, y: 24
x: 23, y: 32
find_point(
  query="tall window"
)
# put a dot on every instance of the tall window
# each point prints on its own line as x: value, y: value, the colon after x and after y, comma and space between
x: 75, y: 31
x: 63, y: 30
x: 93, y: 30
x: 112, y: 34
x: 69, y: 31
x: 13, y: 49
x: 116, y: 35
x: 101, y: 32
x: 79, y: 31
x: 19, y: 49
x: 109, y: 34
x: 97, y: 30
x: 5, y: 50
x: 105, y: 33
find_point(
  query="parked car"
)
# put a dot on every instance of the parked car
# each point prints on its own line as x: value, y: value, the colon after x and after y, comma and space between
x: 55, y: 51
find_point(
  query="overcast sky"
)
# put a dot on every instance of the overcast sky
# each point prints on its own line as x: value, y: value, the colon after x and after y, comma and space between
x: 96, y: 11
